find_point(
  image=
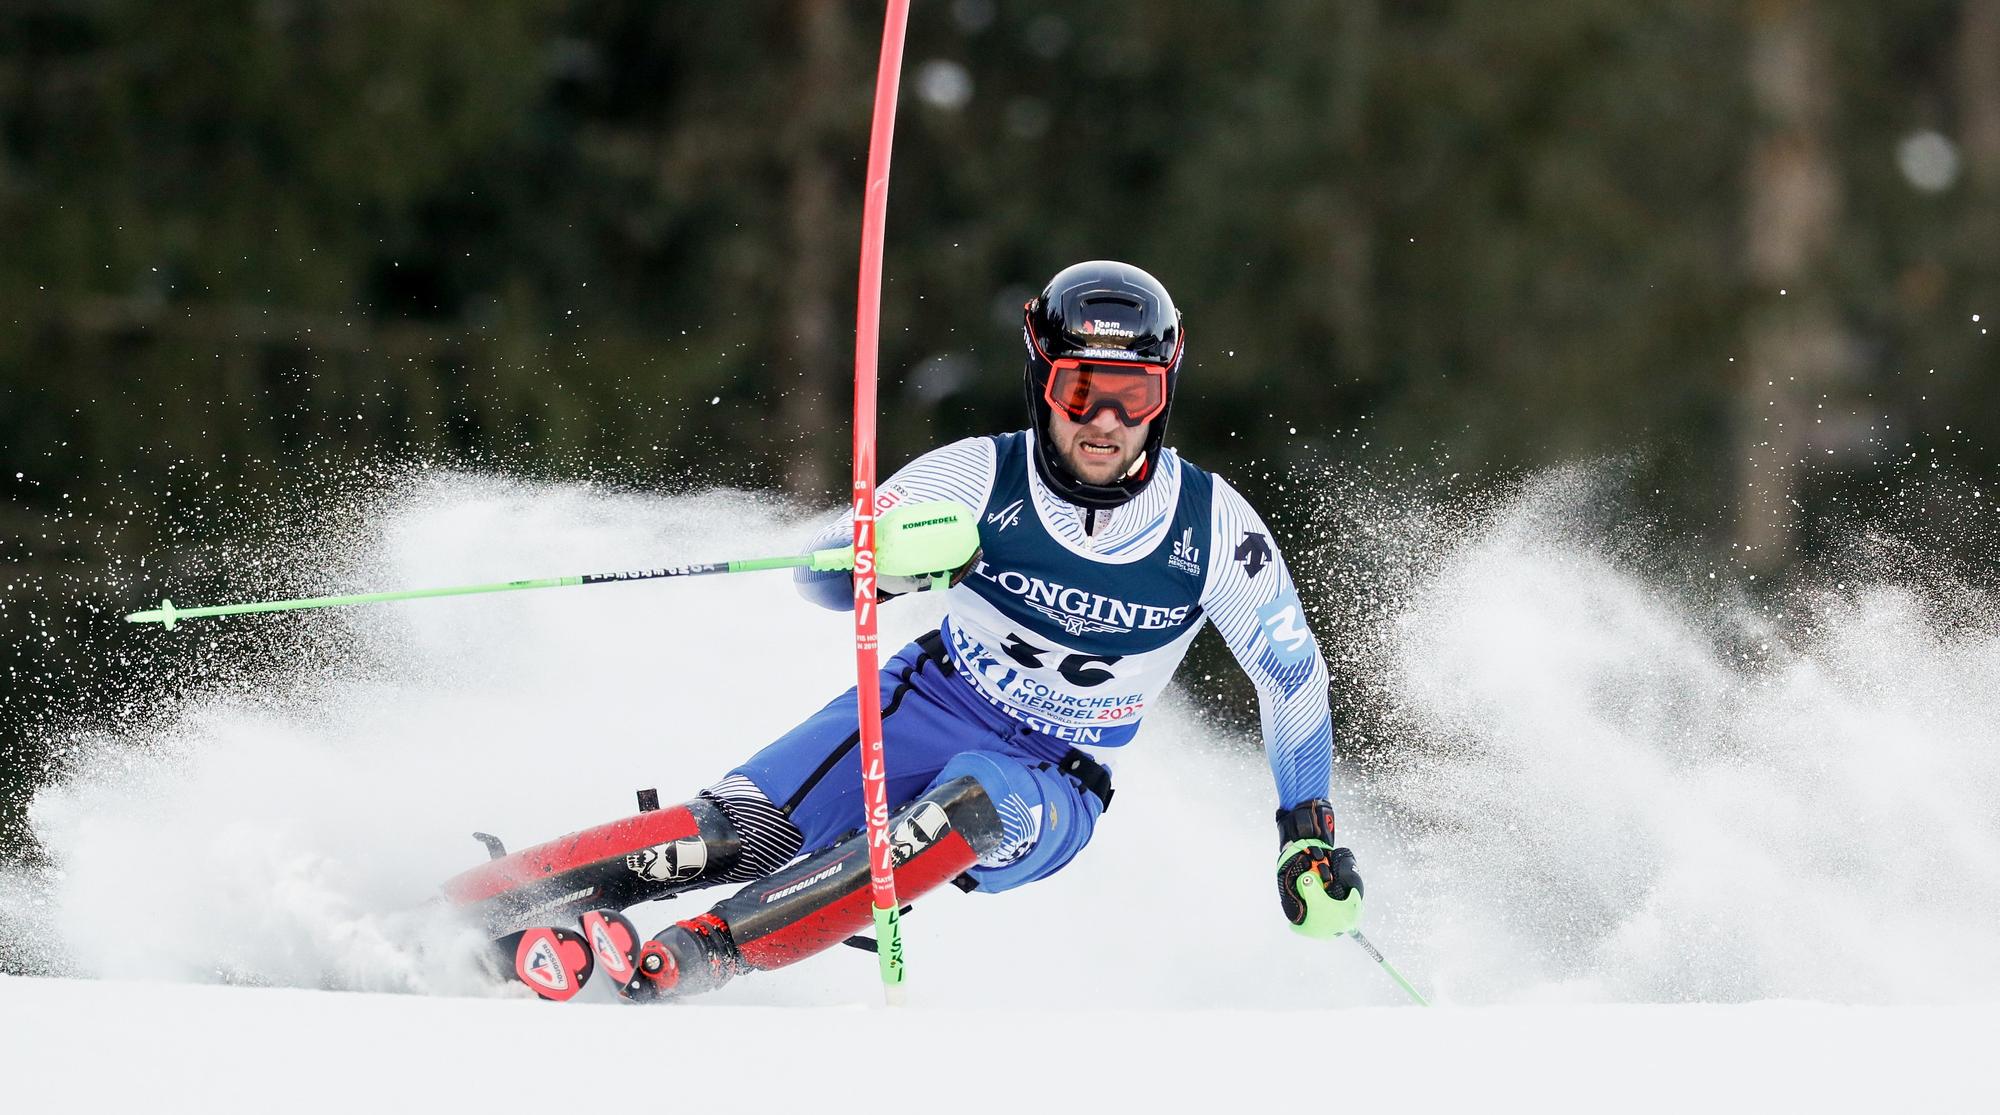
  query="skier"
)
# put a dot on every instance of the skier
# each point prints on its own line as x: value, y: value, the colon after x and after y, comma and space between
x: 1101, y: 552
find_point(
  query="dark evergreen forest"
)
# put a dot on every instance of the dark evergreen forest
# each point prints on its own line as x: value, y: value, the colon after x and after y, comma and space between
x: 1749, y: 249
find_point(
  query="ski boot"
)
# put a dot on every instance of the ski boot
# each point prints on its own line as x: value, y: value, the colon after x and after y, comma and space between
x: 686, y: 958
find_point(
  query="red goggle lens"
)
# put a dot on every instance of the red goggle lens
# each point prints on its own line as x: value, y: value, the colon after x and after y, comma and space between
x: 1137, y: 393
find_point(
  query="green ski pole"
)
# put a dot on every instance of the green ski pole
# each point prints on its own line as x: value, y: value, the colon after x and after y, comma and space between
x: 167, y: 615
x: 1376, y: 953
x: 919, y: 539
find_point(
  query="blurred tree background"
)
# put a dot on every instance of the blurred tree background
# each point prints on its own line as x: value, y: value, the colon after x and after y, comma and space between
x: 1740, y: 244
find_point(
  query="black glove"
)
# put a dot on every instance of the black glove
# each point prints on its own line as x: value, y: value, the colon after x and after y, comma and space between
x: 889, y: 588
x: 1317, y: 884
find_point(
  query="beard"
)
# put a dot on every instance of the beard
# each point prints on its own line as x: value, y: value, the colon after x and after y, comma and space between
x: 1092, y: 469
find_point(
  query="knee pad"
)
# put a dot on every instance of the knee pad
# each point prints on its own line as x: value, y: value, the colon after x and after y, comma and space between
x: 653, y: 855
x: 1045, y: 818
x: 825, y: 898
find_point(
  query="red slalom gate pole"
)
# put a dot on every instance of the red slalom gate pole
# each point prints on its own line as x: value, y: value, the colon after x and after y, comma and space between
x: 867, y: 660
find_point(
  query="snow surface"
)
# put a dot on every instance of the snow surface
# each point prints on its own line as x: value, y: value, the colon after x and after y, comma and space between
x: 1603, y: 796
x: 119, y: 1046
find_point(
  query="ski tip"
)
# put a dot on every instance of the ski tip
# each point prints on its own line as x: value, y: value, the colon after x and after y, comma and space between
x: 614, y: 943
x: 553, y: 963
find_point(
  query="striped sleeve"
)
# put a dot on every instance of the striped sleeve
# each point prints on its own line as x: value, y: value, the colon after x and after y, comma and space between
x: 961, y: 471
x: 1255, y: 608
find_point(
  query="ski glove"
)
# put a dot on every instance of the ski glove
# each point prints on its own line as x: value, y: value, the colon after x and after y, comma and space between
x: 889, y: 588
x: 1317, y: 882
x: 924, y: 546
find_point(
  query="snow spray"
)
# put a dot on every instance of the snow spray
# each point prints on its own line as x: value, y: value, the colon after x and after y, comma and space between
x: 1567, y: 778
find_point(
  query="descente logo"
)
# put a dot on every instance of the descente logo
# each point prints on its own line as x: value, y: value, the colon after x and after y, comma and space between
x: 1080, y: 606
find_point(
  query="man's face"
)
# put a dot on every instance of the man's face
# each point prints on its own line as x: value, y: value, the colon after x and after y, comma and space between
x: 1100, y: 451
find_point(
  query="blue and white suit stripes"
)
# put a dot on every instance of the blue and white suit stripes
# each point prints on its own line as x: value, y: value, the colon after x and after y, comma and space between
x: 1255, y: 608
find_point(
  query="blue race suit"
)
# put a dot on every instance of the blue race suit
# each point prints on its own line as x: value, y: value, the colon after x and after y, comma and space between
x: 1058, y: 639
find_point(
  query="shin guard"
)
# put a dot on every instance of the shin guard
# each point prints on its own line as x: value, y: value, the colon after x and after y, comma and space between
x: 821, y: 900
x: 612, y: 866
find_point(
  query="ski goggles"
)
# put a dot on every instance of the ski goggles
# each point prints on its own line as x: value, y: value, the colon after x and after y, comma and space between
x: 1136, y: 393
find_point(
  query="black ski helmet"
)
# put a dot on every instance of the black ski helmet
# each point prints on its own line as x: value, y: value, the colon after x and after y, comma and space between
x: 1101, y: 311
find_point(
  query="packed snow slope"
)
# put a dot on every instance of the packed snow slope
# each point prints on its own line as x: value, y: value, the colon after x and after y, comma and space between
x: 114, y: 1047
x: 1576, y: 783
